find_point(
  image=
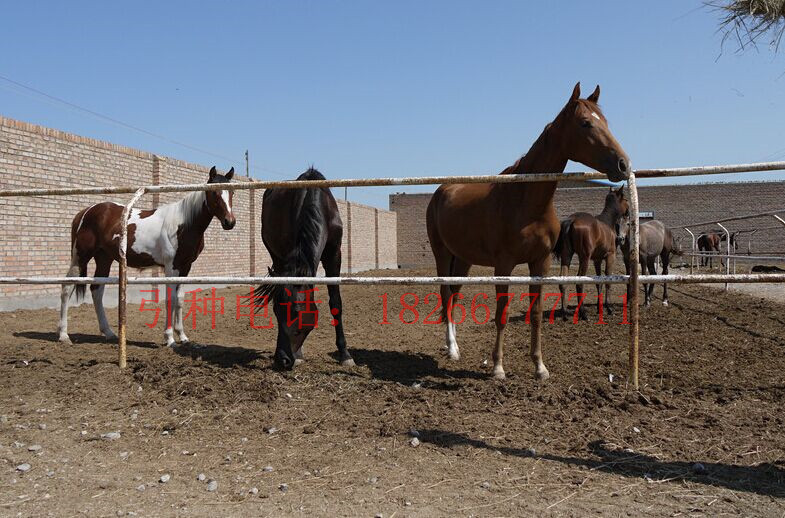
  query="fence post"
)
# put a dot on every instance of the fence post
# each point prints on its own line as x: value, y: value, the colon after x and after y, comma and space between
x: 252, y: 232
x: 376, y: 236
x: 123, y: 280
x: 349, y: 236
x: 634, y: 282
x: 727, y: 257
x: 692, y: 256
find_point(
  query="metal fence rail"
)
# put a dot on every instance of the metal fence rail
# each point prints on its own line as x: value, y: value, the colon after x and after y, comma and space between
x: 634, y: 279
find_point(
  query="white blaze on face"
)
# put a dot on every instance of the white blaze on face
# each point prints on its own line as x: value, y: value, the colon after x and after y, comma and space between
x: 225, y: 198
x: 595, y: 116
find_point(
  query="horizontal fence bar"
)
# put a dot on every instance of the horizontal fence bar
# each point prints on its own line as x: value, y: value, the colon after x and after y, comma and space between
x: 466, y: 281
x: 379, y: 182
x: 736, y: 256
x: 726, y: 220
x: 611, y: 279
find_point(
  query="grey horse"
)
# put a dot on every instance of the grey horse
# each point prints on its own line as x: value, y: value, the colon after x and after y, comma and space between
x: 655, y: 240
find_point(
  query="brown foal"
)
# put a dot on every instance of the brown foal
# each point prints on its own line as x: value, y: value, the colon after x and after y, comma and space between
x: 503, y: 225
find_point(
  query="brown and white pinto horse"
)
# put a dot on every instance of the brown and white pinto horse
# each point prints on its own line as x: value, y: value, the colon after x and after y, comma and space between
x: 171, y: 236
x: 503, y: 225
x: 593, y: 238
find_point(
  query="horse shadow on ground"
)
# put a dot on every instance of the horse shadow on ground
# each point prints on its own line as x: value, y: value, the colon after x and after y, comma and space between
x: 221, y: 355
x: 766, y: 479
x: 407, y: 368
x: 81, y: 338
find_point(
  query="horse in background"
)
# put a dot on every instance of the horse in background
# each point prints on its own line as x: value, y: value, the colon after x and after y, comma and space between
x: 656, y: 240
x: 171, y: 236
x: 711, y: 242
x: 503, y: 225
x: 593, y: 238
x: 300, y: 228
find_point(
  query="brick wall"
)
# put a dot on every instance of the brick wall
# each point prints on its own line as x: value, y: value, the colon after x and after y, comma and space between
x: 673, y: 204
x: 35, y: 232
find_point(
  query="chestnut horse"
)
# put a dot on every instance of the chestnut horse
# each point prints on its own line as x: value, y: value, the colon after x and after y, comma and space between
x: 171, y: 236
x: 595, y: 238
x: 503, y: 225
x: 300, y: 228
x: 711, y: 242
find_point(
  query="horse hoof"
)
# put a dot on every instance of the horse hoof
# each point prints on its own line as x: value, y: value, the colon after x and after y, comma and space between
x: 498, y: 373
x: 298, y: 361
x: 110, y: 337
x: 171, y: 344
x: 542, y: 374
x: 665, y: 303
x: 455, y: 356
x: 64, y: 339
x: 348, y: 363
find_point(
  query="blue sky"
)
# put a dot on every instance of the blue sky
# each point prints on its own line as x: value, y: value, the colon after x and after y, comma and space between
x: 370, y: 89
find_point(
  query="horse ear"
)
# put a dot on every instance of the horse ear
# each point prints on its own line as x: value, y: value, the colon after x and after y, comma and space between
x: 576, y: 92
x: 620, y: 191
x: 230, y: 174
x: 595, y: 95
x: 213, y: 172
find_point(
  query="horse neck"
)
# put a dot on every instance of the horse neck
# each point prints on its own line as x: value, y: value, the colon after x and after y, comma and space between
x: 192, y: 213
x: 544, y: 156
x: 610, y: 215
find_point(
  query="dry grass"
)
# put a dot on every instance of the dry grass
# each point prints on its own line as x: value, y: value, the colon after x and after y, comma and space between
x: 749, y: 20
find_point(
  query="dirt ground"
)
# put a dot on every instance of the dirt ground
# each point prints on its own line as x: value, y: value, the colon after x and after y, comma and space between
x: 703, y: 437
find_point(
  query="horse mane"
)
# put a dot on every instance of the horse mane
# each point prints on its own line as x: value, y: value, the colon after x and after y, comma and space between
x: 304, y: 258
x: 191, y: 206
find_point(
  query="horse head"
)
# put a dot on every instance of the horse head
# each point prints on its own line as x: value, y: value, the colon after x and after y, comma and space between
x: 219, y: 203
x: 584, y: 133
x: 619, y: 208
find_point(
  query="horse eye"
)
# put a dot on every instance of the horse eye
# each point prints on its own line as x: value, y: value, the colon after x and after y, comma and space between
x: 585, y: 123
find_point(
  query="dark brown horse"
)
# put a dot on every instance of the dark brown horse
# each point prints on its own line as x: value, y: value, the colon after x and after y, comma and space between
x: 300, y: 228
x: 656, y: 240
x: 503, y: 225
x: 171, y: 236
x: 711, y: 242
x: 593, y: 238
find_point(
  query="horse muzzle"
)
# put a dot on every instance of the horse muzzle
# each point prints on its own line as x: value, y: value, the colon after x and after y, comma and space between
x: 228, y: 223
x: 618, y: 169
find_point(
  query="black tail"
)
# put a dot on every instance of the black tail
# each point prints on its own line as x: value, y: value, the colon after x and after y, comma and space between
x: 80, y: 288
x: 563, y: 239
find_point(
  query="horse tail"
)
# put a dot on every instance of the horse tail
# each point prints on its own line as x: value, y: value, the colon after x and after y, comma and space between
x: 563, y: 242
x: 77, y: 268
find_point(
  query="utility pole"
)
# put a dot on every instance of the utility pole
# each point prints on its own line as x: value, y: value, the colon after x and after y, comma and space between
x: 345, y: 193
x: 252, y: 221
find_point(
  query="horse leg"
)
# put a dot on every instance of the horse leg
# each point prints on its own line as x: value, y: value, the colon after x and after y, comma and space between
x: 78, y: 268
x: 652, y: 271
x: 103, y: 265
x: 499, y: 318
x: 609, y: 262
x: 458, y: 268
x: 583, y: 267
x: 566, y: 259
x: 665, y: 258
x: 535, y: 351
x: 331, y: 260
x: 597, y: 271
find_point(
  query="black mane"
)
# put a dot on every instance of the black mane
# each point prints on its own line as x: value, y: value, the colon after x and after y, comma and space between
x: 310, y: 235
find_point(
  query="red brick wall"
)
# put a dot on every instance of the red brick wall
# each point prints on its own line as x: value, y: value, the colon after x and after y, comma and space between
x: 35, y: 232
x: 675, y: 205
